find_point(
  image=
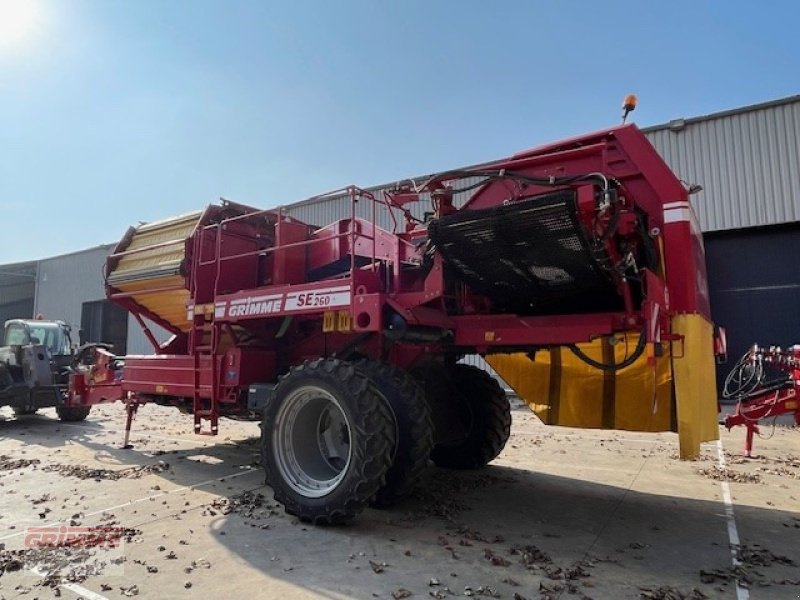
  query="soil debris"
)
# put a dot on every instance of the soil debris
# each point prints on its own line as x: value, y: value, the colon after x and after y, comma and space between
x: 247, y: 504
x: 437, y: 495
x: 531, y: 556
x: 378, y: 567
x: 745, y: 573
x: 84, y: 472
x: 757, y: 555
x: 496, y: 559
x: 725, y: 474
x: 670, y: 593
x: 8, y: 463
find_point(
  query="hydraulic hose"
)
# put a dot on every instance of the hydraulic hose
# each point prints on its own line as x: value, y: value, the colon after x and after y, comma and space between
x: 637, y: 352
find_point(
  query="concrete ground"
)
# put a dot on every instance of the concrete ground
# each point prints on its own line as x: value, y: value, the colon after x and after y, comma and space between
x: 561, y: 513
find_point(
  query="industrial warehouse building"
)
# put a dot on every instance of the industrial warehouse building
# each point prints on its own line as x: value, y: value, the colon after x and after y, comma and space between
x: 747, y: 161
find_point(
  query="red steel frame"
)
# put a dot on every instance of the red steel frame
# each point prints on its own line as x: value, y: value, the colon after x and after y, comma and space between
x: 770, y: 402
x: 254, y: 312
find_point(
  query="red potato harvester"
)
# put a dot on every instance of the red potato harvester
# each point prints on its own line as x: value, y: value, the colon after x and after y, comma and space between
x: 576, y: 270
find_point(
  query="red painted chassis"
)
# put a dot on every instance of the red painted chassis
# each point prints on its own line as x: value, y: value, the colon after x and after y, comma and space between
x: 268, y: 291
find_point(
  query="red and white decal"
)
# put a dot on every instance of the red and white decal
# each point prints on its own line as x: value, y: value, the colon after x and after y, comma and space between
x: 324, y: 298
x: 255, y: 305
x: 677, y: 212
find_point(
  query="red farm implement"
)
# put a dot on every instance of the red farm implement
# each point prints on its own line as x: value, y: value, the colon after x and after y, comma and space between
x: 765, y: 383
x: 567, y: 267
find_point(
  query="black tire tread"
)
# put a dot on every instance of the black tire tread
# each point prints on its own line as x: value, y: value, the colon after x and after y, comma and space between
x: 73, y: 414
x: 412, y: 417
x: 492, y: 413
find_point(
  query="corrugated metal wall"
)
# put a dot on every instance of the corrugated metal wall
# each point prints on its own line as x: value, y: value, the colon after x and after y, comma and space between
x: 747, y: 162
x: 65, y: 282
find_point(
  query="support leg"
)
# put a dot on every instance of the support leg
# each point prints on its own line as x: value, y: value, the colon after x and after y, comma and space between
x: 752, y: 428
x: 131, y: 409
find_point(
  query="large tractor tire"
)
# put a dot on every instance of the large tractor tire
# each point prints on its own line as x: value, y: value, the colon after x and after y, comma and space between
x: 22, y: 412
x: 73, y: 414
x: 413, y: 428
x: 327, y: 438
x: 472, y: 416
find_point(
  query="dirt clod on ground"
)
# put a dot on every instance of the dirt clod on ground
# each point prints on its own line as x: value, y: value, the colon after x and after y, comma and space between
x: 8, y: 463
x: 83, y: 472
x: 726, y: 474
x: 750, y: 557
x: 670, y: 593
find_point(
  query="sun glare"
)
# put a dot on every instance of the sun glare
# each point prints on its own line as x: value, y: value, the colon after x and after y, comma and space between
x: 18, y: 18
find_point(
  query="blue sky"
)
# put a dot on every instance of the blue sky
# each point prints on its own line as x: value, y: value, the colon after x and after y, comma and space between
x: 117, y: 112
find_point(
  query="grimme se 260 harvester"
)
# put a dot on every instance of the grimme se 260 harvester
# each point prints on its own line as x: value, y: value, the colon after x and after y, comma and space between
x: 576, y: 269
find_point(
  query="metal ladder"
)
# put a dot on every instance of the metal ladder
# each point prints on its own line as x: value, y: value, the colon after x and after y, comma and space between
x: 200, y: 347
x: 205, y: 408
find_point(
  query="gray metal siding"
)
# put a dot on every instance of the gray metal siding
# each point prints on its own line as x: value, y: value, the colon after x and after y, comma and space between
x: 747, y: 162
x: 64, y: 283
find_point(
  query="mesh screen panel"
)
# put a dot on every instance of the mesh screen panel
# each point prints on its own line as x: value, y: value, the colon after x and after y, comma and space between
x: 529, y: 257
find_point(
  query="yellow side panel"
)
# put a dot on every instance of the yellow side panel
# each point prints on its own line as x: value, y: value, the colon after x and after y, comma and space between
x: 563, y: 390
x: 169, y: 305
x: 674, y: 392
x: 695, y: 383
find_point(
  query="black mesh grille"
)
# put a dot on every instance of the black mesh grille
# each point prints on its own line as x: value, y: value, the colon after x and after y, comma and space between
x: 528, y: 257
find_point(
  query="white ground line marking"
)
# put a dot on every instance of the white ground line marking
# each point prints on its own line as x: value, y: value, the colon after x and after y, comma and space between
x: 143, y: 499
x: 75, y: 588
x: 742, y: 593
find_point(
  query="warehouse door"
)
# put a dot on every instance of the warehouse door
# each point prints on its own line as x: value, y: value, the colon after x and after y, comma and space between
x: 754, y: 281
x: 103, y: 321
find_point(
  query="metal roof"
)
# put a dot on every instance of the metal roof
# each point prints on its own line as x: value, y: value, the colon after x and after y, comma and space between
x: 724, y: 113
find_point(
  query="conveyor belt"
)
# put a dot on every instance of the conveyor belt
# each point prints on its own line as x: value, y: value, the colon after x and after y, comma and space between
x: 529, y: 257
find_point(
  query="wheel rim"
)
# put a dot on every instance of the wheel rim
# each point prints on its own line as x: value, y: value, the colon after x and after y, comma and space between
x: 311, y: 443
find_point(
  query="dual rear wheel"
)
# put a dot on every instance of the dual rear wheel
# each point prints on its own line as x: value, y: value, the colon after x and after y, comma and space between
x: 338, y: 436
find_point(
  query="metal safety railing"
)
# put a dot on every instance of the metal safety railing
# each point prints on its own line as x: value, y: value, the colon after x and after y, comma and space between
x: 353, y: 232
